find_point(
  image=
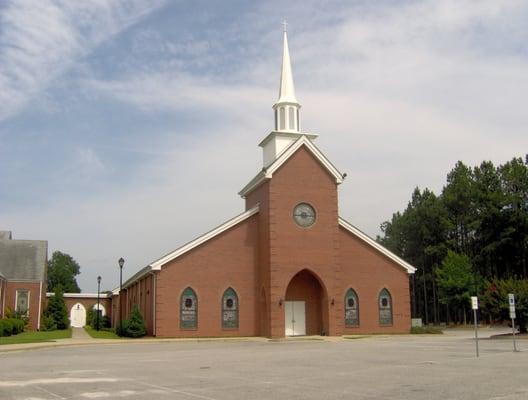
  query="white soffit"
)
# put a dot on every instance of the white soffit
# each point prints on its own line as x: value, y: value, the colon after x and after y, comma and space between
x: 367, y: 239
x: 156, y: 265
x: 267, y: 173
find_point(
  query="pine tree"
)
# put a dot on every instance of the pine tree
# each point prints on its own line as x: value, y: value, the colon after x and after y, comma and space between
x: 56, y: 313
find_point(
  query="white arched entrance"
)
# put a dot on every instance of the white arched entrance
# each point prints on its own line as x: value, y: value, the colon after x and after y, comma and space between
x: 78, y: 316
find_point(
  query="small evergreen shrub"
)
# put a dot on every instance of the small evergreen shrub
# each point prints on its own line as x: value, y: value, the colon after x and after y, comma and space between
x: 134, y: 326
x: 48, y: 324
x: 57, y: 311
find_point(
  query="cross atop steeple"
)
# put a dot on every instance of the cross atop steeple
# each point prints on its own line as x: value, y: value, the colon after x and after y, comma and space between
x: 285, y: 26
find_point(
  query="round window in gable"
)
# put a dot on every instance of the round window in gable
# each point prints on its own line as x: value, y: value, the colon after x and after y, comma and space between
x: 304, y: 215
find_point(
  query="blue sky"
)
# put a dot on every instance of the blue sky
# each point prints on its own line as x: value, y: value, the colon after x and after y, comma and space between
x: 128, y: 127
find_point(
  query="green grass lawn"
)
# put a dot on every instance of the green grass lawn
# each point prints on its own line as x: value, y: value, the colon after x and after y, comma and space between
x: 34, y: 336
x: 101, y: 334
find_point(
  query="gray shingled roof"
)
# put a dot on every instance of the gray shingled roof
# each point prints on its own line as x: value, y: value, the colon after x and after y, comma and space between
x: 23, y: 259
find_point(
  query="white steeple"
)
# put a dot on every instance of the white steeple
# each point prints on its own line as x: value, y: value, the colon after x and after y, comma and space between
x: 287, y: 107
x: 287, y: 127
x: 286, y: 90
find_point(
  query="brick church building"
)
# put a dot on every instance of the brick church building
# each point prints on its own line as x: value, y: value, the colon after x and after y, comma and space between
x: 288, y: 265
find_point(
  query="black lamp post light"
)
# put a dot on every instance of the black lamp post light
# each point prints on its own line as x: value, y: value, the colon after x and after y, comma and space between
x: 121, y: 262
x: 98, y: 304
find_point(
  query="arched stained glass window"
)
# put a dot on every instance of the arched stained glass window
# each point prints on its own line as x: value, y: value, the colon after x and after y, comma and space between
x: 351, y: 309
x: 230, y: 309
x: 385, y: 307
x: 188, y: 309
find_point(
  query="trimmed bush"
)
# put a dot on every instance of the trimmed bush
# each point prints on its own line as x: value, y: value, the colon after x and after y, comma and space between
x: 11, y: 326
x: 6, y: 329
x: 18, y: 325
x: 133, y: 327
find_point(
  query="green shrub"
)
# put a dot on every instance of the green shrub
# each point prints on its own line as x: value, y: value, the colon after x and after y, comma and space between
x: 48, y: 324
x: 134, y: 326
x: 57, y: 311
x: 18, y: 325
x: 91, y: 319
x: 6, y: 329
x: 11, y: 326
x: 425, y: 330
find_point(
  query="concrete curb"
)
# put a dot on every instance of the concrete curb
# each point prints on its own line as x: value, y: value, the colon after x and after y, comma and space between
x: 91, y: 342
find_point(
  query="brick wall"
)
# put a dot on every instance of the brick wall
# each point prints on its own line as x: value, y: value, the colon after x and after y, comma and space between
x: 367, y: 272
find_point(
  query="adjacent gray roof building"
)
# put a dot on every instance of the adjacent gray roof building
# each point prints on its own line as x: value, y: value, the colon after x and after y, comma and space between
x: 22, y: 260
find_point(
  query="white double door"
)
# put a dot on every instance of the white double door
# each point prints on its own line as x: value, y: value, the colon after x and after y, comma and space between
x: 78, y: 316
x: 295, y: 318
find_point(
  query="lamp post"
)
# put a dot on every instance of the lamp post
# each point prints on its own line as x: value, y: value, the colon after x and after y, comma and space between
x: 121, y: 262
x: 98, y: 306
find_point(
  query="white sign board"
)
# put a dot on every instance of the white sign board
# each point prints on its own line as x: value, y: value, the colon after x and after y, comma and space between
x: 511, y: 301
x: 474, y: 302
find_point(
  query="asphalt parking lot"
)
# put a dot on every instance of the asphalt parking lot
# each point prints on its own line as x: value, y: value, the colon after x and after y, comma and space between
x: 379, y: 367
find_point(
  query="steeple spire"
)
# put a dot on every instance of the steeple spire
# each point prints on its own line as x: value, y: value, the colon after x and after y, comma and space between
x: 286, y: 90
x: 287, y: 107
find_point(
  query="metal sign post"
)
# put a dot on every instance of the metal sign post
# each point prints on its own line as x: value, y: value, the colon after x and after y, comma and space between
x: 511, y: 301
x: 474, y: 306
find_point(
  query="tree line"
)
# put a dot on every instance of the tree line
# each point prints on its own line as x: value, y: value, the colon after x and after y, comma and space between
x: 471, y: 239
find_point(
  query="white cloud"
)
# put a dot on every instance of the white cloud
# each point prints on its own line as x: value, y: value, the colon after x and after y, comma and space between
x: 40, y: 39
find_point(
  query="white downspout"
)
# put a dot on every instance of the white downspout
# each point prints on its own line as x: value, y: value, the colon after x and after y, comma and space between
x: 40, y: 307
x: 153, y: 303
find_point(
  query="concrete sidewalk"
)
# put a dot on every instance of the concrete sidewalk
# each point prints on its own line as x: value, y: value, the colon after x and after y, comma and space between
x: 80, y: 334
x: 81, y: 338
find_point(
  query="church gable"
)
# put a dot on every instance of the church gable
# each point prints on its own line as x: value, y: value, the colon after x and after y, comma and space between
x: 304, y: 142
